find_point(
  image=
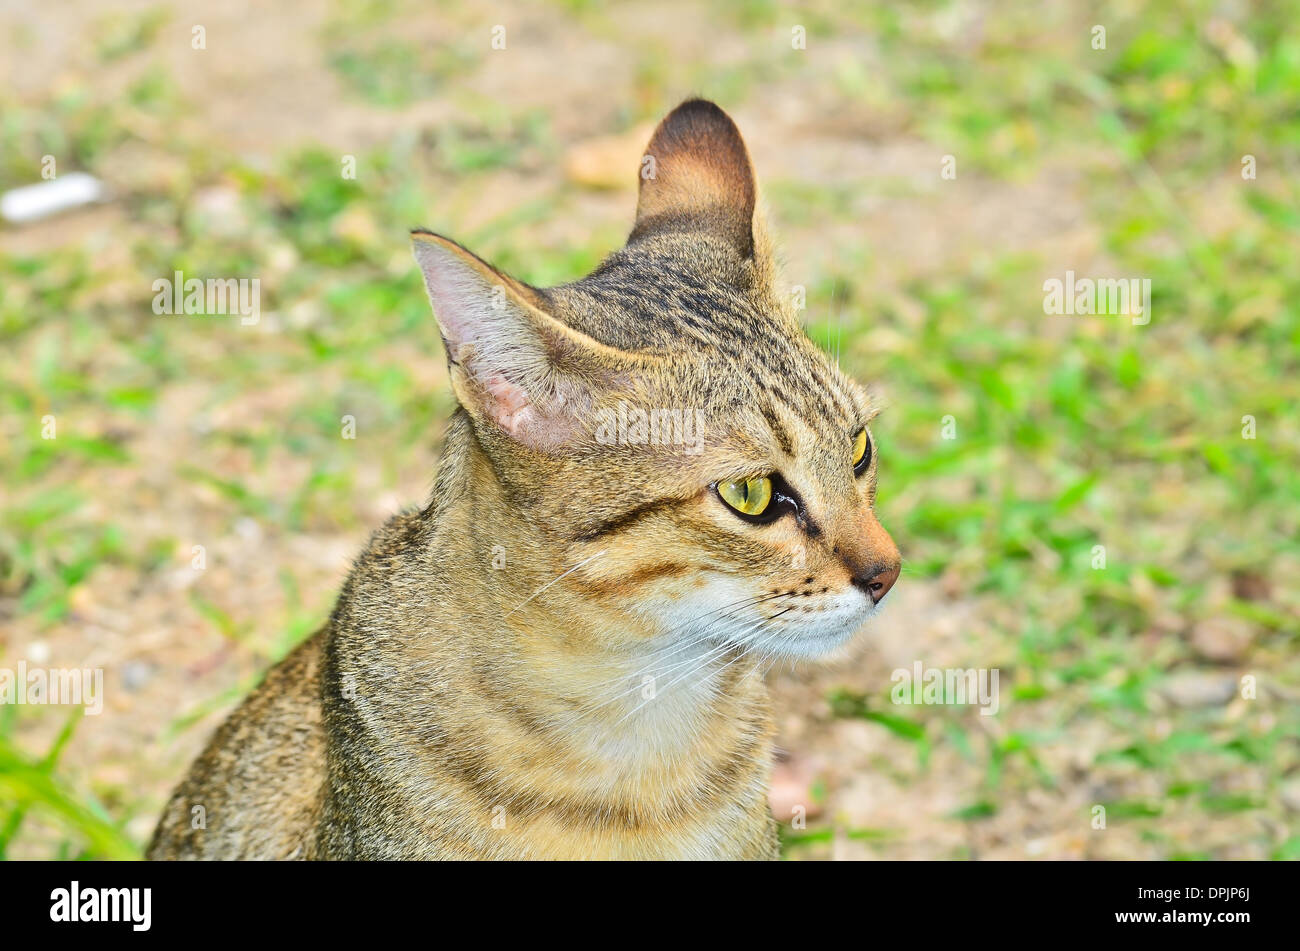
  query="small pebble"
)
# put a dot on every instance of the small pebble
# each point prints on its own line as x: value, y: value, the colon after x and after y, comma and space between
x: 1222, y: 640
x: 1192, y: 690
x: 135, y: 674
x: 1291, y: 794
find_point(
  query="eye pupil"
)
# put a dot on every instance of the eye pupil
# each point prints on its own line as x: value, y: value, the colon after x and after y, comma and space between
x: 861, y: 452
x: 749, y: 497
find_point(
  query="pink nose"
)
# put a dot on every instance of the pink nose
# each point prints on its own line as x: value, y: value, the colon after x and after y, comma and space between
x: 877, y: 585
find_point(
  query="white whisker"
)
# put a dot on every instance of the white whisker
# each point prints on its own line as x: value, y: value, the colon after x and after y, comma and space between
x: 549, y: 583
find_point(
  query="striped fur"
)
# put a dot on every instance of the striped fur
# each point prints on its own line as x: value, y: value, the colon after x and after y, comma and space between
x: 561, y: 656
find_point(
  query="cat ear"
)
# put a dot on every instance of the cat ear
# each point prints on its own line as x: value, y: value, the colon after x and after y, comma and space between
x: 696, y: 176
x: 513, y: 366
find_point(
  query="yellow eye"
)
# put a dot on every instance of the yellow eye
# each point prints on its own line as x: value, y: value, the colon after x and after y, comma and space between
x: 747, y: 496
x: 859, y: 448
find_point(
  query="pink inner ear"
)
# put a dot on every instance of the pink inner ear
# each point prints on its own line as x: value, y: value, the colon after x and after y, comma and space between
x: 498, y: 347
x: 508, y: 405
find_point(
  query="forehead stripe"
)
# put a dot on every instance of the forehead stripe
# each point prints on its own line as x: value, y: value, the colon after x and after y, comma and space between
x: 778, y: 430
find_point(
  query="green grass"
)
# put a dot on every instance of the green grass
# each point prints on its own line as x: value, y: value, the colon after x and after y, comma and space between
x: 1069, y: 432
x: 28, y: 782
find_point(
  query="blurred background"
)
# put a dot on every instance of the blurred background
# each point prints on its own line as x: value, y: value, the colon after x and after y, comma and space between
x: 927, y: 166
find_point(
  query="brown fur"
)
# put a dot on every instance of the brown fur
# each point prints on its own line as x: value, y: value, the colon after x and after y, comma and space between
x: 481, y: 690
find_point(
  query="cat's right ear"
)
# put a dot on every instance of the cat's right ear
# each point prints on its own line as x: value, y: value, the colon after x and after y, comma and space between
x: 514, y: 367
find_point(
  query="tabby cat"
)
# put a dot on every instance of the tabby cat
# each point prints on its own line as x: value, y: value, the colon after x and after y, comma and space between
x: 654, y: 485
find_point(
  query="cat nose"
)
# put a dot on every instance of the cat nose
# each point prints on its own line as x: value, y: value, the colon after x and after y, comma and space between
x: 877, y: 585
x: 869, y: 554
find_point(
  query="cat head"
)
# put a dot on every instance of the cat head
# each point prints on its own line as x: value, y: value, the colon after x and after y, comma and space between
x: 666, y: 421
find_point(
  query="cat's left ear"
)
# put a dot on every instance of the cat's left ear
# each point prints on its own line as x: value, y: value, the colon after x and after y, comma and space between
x: 696, y: 176
x: 514, y: 367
